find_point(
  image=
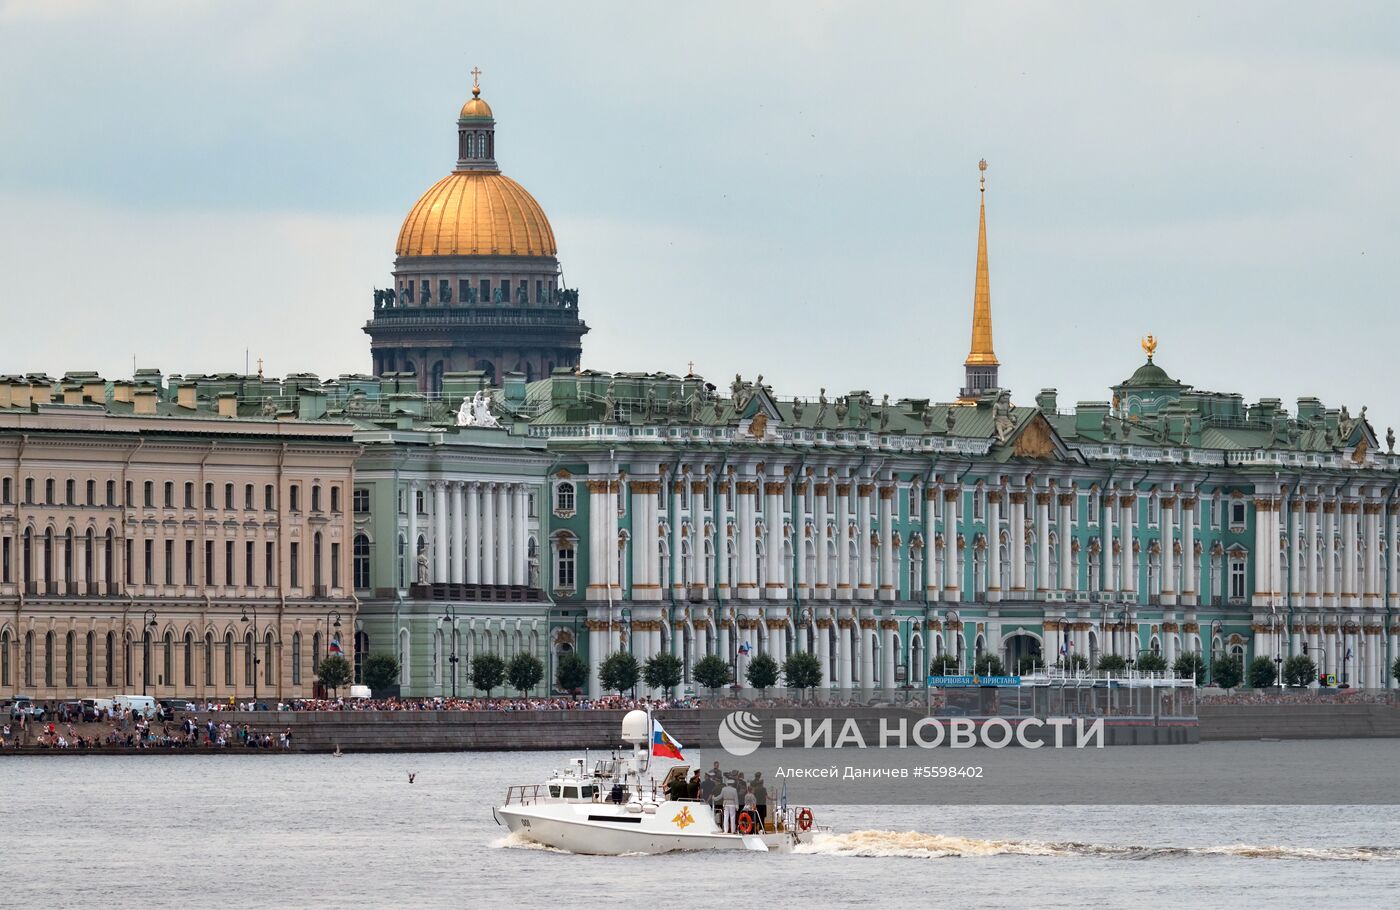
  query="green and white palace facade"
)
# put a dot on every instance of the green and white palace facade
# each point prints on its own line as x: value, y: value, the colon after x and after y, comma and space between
x: 209, y: 536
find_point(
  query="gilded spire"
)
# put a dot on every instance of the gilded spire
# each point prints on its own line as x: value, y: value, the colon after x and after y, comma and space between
x: 982, y: 353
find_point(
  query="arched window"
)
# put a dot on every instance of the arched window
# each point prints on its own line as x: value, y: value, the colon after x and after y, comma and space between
x: 89, y: 659
x: 360, y: 562
x: 269, y: 669
x: 403, y: 657
x: 564, y: 498
x: 189, y: 659
x: 209, y: 659
x: 228, y: 659
x: 109, y: 651
x: 5, y: 658
x: 70, y: 646
x: 167, y: 664
x: 316, y: 561
x: 296, y: 658
x: 28, y: 658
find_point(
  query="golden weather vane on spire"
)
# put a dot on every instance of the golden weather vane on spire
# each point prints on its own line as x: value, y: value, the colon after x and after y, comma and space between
x: 1149, y: 344
x: 982, y: 166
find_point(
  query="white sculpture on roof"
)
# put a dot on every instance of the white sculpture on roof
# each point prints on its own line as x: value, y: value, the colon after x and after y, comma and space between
x: 476, y: 412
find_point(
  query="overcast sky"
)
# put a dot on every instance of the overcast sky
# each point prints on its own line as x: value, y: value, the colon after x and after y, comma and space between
x: 778, y: 188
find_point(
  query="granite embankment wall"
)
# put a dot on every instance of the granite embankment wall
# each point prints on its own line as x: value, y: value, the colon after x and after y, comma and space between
x: 1298, y: 721
x: 405, y: 731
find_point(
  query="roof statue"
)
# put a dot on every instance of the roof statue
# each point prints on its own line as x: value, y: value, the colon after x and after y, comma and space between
x: 476, y: 412
x: 1149, y: 345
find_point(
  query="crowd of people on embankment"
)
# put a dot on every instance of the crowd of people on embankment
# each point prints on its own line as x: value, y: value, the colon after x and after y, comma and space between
x: 130, y: 730
x: 1273, y: 696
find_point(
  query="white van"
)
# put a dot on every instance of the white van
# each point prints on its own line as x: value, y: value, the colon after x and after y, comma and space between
x: 359, y: 692
x: 145, y: 705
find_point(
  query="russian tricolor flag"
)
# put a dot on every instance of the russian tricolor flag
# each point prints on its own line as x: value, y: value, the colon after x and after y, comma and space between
x: 662, y: 745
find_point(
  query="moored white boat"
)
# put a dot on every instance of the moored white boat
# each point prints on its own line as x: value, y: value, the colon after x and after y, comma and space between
x: 610, y: 808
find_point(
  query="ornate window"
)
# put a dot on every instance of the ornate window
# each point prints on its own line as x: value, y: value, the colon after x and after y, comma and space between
x: 360, y: 562
x: 564, y: 499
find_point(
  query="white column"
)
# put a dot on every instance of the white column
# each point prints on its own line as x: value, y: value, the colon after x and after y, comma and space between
x: 458, y: 536
x: 932, y: 584
x: 721, y: 541
x: 1108, y: 571
x: 776, y: 584
x: 439, y: 531
x: 411, y: 558
x: 1372, y: 588
x: 1311, y: 594
x: 1018, y: 543
x: 1069, y: 580
x: 1042, y: 543
x: 843, y: 653
x: 994, y: 497
x: 1128, y: 572
x: 1348, y: 518
x: 887, y: 654
x: 843, y: 544
x: 1188, y: 550
x: 520, y: 545
x: 472, y: 535
x: 488, y: 534
x: 643, y: 538
x: 1168, y: 551
x: 503, y: 540
x: 823, y: 642
x: 822, y: 582
x: 597, y: 643
x: 745, y: 492
x: 952, y: 564
x: 699, y: 574
x: 889, y: 586
x: 866, y: 591
x: 1295, y: 558
x: 677, y: 536
x: 1328, y: 553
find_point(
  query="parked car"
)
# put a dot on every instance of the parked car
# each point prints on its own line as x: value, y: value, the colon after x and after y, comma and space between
x: 24, y: 706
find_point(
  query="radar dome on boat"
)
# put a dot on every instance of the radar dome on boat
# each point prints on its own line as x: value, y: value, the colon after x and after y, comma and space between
x: 635, y: 729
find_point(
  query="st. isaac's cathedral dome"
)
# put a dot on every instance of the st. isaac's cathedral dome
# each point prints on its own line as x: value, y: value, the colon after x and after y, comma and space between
x: 477, y: 282
x: 476, y: 210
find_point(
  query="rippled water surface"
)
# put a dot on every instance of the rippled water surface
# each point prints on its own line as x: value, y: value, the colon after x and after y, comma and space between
x: 303, y: 831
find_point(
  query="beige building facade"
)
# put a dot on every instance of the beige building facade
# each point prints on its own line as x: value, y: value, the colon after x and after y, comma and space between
x: 153, y: 541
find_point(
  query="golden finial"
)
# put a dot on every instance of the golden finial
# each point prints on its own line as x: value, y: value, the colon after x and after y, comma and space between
x: 982, y: 166
x: 1149, y: 344
x: 476, y: 82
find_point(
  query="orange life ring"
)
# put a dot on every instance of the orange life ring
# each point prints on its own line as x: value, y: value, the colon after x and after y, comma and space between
x: 804, y: 820
x: 746, y: 822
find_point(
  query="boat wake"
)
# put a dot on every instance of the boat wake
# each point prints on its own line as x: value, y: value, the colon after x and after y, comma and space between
x: 915, y: 845
x: 518, y: 841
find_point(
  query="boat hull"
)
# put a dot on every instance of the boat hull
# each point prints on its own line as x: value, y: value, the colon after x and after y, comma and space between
x: 602, y: 829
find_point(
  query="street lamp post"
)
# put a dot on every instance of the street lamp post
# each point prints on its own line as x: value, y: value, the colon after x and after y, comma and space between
x: 148, y: 622
x: 332, y: 630
x: 1216, y: 628
x: 254, y: 646
x: 953, y: 626
x: 450, y: 617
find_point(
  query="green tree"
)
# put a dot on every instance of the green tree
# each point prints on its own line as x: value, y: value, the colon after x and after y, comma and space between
x: 1112, y: 663
x: 619, y: 672
x: 381, y: 673
x: 1151, y: 662
x: 1263, y: 672
x: 663, y: 671
x: 802, y: 671
x: 762, y: 673
x: 1190, y: 664
x: 988, y: 664
x: 1226, y: 672
x: 488, y: 672
x: 334, y: 672
x: 571, y: 672
x: 524, y: 672
x: 1395, y: 669
x: 1299, y: 670
x: 712, y: 672
x: 1073, y: 662
x: 1028, y: 664
x: 943, y: 665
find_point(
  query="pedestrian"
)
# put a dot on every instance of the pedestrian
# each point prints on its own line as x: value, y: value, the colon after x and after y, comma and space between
x: 729, y: 799
x: 759, y: 791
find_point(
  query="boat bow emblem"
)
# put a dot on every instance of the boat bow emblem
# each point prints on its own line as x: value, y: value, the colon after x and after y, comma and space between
x: 684, y: 818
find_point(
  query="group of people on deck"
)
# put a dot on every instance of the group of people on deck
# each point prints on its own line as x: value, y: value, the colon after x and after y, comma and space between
x: 729, y: 794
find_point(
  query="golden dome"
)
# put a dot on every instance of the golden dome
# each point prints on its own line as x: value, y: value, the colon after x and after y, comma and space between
x: 475, y: 108
x: 476, y: 213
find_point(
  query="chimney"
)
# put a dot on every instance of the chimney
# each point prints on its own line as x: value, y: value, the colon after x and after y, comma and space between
x: 19, y: 394
x: 228, y: 404
x: 121, y: 391
x: 95, y: 391
x: 72, y: 393
x: 42, y: 392
x: 1047, y: 400
x: 5, y: 396
x: 145, y: 400
x: 186, y: 397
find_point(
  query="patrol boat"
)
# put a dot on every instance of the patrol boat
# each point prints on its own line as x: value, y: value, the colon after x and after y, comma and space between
x: 612, y: 808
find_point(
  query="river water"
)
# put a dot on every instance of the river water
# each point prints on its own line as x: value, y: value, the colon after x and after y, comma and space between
x: 315, y: 830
